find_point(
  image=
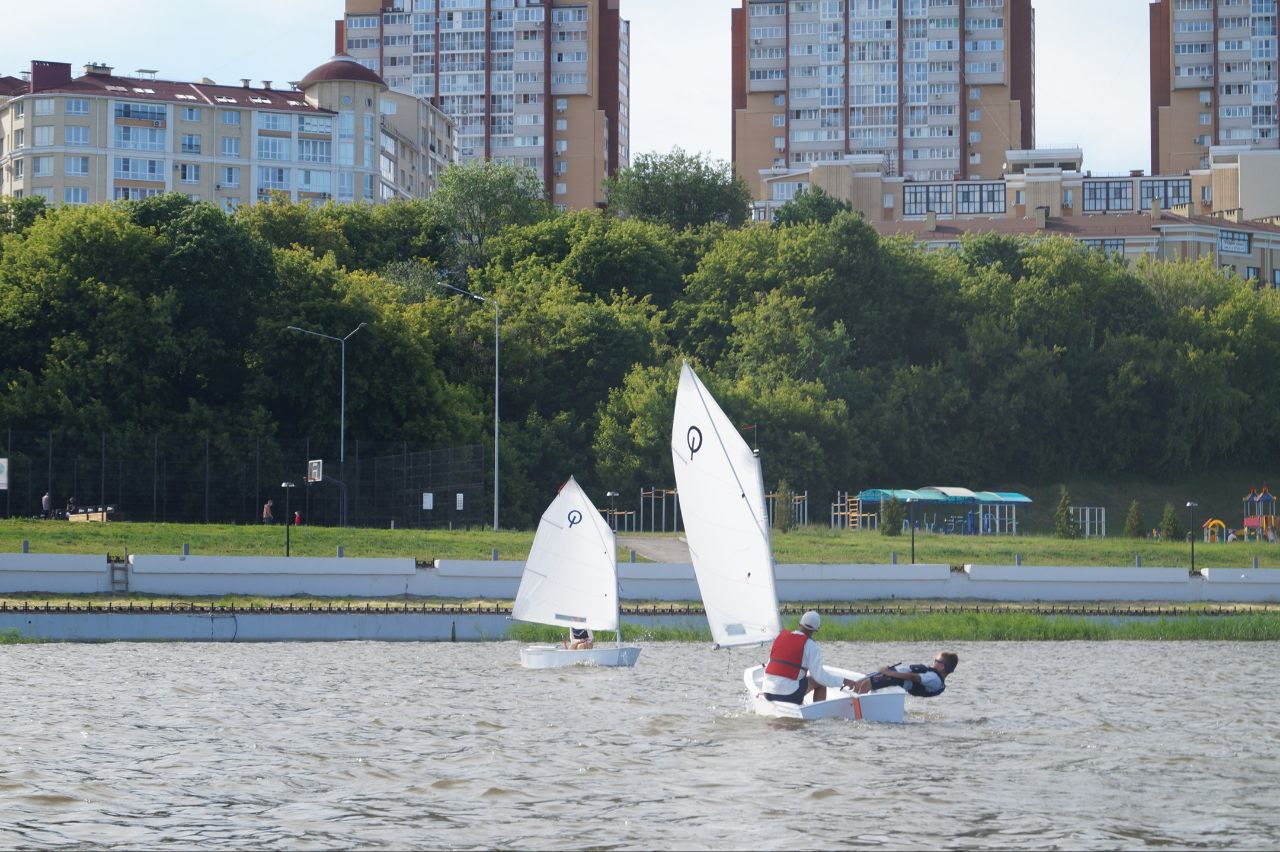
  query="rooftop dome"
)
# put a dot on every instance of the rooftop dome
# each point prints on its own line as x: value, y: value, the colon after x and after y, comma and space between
x: 340, y: 67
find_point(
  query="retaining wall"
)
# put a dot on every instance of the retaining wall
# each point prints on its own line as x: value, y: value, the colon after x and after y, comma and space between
x: 61, y: 573
x: 271, y: 576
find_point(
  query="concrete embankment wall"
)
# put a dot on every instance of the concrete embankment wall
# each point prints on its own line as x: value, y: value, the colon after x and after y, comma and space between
x: 499, y: 580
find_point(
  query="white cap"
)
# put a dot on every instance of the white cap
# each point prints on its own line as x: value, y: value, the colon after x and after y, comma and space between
x: 811, y: 620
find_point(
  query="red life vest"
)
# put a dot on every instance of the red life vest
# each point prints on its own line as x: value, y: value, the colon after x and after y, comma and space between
x: 786, y: 657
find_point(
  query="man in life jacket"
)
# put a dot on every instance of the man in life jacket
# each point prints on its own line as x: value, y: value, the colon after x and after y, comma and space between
x: 795, y: 665
x: 580, y: 639
x: 922, y: 681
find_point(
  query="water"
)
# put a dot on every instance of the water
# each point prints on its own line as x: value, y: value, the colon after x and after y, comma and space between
x: 1035, y: 745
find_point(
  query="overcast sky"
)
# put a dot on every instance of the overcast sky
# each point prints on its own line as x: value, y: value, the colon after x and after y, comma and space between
x: 1091, y: 60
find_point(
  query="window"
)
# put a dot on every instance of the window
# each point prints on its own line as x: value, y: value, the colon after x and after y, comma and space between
x: 191, y: 113
x: 928, y: 198
x: 231, y: 146
x: 561, y: 188
x: 1068, y: 198
x: 43, y: 167
x: 75, y: 135
x: 76, y: 195
x: 1233, y: 242
x: 1019, y: 196
x: 19, y: 109
x: 136, y: 168
x: 316, y: 124
x: 1109, y: 247
x: 44, y: 136
x: 231, y: 117
x: 230, y: 177
x: 1253, y: 272
x: 271, y: 177
x: 1103, y: 196
x: 1167, y: 192
x: 19, y: 140
x: 273, y: 148
x: 980, y: 198
x: 191, y: 143
x: 77, y: 106
x: 274, y: 121
x: 17, y: 169
x: 146, y: 112
x: 75, y: 166
x: 189, y: 172
x: 315, y: 151
x: 44, y: 106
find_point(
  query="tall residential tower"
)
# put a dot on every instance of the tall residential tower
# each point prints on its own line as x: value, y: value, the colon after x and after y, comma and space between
x: 1213, y: 79
x: 542, y: 83
x: 939, y: 89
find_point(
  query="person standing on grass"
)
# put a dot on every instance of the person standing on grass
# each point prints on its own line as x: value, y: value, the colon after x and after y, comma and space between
x: 267, y: 516
x: 46, y: 506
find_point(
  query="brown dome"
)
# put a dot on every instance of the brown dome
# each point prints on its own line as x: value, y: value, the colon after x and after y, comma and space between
x: 341, y: 67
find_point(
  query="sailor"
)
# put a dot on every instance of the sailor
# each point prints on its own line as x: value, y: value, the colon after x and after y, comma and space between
x: 922, y: 681
x: 580, y: 639
x: 795, y: 665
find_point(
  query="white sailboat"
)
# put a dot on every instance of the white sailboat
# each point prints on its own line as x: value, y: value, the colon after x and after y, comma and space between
x: 571, y: 580
x: 722, y: 500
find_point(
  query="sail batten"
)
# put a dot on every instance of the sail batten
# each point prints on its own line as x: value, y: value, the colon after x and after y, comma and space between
x: 571, y: 576
x: 722, y: 500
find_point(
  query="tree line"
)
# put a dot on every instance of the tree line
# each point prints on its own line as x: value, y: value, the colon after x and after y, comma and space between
x: 860, y: 361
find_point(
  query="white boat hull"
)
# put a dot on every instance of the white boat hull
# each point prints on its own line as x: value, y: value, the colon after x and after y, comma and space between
x: 554, y: 657
x: 883, y: 705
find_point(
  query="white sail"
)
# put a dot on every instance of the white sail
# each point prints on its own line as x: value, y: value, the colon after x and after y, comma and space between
x: 721, y: 495
x: 571, y: 576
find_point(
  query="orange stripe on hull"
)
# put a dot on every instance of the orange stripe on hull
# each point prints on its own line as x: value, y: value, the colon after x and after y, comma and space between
x: 857, y: 707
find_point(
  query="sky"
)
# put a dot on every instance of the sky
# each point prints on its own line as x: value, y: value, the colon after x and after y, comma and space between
x: 1091, y: 61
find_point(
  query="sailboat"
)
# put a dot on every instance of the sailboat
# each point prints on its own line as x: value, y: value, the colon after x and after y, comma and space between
x: 571, y: 580
x: 721, y: 490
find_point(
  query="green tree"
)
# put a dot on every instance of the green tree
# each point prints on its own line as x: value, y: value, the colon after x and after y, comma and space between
x: 784, y: 508
x: 892, y: 513
x: 477, y: 200
x: 1064, y: 526
x: 810, y: 205
x: 680, y: 190
x: 1171, y: 528
x: 1133, y: 525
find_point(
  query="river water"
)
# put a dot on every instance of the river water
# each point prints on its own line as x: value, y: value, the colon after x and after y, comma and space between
x: 1034, y: 745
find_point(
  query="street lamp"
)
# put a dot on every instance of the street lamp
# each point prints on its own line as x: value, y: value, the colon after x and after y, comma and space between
x: 497, y: 324
x: 342, y: 412
x: 911, y: 509
x: 613, y: 515
x: 1191, y: 523
x: 288, y: 518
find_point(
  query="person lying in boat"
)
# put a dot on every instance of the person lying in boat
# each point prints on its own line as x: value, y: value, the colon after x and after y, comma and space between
x: 922, y: 681
x: 580, y: 639
x: 795, y: 665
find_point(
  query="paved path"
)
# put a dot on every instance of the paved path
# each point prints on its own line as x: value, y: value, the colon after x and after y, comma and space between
x: 657, y: 549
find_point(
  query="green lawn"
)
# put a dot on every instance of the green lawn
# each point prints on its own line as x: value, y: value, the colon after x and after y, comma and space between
x: 814, y: 544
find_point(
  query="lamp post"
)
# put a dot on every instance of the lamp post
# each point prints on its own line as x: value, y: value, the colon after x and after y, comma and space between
x: 613, y: 515
x: 342, y: 411
x: 911, y: 509
x: 497, y: 325
x: 1191, y: 524
x: 288, y: 518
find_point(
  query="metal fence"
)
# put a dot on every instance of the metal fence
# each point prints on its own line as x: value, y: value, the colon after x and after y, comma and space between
x: 211, y: 479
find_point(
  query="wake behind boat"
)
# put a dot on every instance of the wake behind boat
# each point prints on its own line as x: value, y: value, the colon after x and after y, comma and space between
x: 571, y: 580
x: 721, y: 491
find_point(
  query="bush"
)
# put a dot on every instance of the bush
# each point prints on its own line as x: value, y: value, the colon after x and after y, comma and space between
x: 1171, y: 528
x: 892, y: 514
x: 1133, y: 526
x: 784, y: 508
x: 1064, y: 526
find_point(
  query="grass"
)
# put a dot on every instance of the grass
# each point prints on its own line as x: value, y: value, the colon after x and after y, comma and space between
x: 809, y: 545
x: 12, y: 637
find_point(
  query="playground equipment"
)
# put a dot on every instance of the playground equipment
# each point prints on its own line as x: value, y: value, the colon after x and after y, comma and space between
x: 799, y: 507
x: 1260, y: 514
x: 656, y: 499
x: 1090, y: 520
x: 847, y: 513
x: 1215, y: 531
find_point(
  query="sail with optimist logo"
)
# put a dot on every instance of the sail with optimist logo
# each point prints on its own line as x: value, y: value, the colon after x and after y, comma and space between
x: 721, y: 493
x: 571, y: 576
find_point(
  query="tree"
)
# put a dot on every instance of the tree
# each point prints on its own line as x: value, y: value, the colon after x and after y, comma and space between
x: 810, y: 205
x: 1133, y: 526
x: 479, y: 199
x: 1064, y: 526
x: 1171, y: 528
x: 681, y: 190
x: 892, y: 514
x: 784, y: 508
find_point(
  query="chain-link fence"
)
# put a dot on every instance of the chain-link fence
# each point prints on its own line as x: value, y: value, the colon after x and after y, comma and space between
x: 214, y: 479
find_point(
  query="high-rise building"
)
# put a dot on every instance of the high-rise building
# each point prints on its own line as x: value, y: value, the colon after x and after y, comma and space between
x: 541, y: 83
x: 1213, y: 79
x: 937, y: 89
x: 340, y: 134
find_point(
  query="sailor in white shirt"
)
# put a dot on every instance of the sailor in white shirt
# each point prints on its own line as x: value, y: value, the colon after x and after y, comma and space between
x: 795, y: 665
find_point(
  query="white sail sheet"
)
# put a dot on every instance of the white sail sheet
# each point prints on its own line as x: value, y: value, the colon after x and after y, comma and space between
x: 571, y: 576
x: 721, y: 495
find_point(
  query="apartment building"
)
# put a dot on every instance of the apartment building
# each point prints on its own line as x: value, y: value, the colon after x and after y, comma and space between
x: 540, y: 83
x: 339, y: 134
x: 1213, y: 79
x: 933, y: 89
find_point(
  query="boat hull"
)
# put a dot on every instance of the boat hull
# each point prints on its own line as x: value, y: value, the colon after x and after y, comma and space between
x: 554, y: 657
x: 883, y: 705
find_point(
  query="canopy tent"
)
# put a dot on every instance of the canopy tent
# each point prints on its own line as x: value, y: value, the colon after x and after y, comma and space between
x: 987, y: 512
